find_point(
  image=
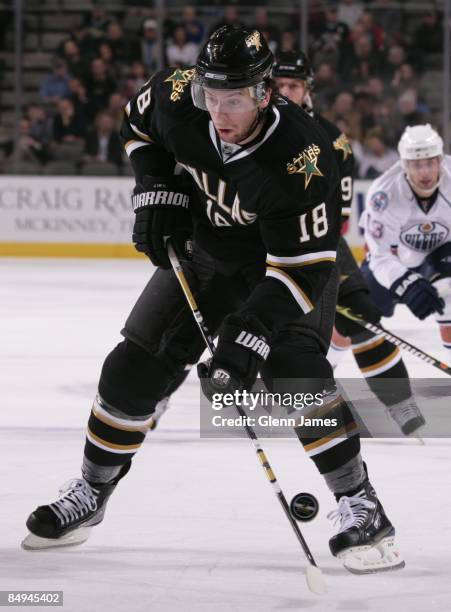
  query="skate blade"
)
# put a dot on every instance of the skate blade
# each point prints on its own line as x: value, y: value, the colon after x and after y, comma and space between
x: 380, y: 557
x: 416, y: 435
x: 34, y: 542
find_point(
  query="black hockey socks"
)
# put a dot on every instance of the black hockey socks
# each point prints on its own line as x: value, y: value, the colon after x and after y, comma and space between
x: 347, y: 477
x: 337, y: 444
x: 112, y: 439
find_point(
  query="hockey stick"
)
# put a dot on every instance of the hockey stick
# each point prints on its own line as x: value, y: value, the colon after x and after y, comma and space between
x: 314, y: 576
x: 396, y: 340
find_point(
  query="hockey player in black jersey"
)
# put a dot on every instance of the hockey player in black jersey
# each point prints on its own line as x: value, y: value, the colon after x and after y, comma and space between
x: 377, y: 358
x: 264, y: 227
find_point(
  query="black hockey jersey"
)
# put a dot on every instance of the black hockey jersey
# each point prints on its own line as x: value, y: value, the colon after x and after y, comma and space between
x: 346, y: 162
x: 272, y: 199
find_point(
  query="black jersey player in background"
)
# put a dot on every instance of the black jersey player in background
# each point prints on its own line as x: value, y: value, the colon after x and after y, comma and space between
x: 265, y: 228
x: 377, y: 358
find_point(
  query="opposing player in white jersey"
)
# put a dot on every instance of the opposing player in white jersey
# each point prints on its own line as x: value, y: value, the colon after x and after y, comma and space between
x: 407, y: 224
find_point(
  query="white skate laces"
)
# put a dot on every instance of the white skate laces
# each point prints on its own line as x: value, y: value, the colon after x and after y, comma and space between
x: 351, y: 511
x: 404, y: 411
x: 77, y: 498
x: 369, y: 557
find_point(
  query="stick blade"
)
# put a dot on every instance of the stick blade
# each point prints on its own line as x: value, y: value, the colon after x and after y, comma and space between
x: 315, y: 580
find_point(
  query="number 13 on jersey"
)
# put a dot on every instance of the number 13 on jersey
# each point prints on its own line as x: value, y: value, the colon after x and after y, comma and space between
x: 313, y: 222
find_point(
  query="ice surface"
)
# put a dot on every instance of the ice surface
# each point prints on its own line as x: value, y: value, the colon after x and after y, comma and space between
x: 194, y: 526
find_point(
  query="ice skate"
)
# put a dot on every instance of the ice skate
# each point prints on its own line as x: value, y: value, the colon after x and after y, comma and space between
x: 68, y: 520
x: 365, y: 542
x: 160, y: 409
x: 408, y: 417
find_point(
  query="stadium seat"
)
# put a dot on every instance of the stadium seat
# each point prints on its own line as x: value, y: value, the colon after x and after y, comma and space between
x: 61, y: 168
x: 69, y: 151
x: 22, y: 167
x: 95, y: 168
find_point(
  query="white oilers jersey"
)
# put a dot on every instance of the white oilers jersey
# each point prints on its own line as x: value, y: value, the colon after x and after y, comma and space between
x: 398, y: 233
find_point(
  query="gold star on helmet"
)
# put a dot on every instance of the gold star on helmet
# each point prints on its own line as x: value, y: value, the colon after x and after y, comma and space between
x: 253, y: 40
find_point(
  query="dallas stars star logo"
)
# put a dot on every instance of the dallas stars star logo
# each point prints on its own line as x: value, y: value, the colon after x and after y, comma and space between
x: 306, y: 163
x: 253, y: 40
x: 179, y: 79
x: 342, y: 144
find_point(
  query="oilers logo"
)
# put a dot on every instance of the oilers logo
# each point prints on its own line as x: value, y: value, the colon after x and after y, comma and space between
x: 425, y: 237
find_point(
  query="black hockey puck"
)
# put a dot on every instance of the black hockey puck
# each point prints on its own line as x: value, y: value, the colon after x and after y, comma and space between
x: 304, y: 507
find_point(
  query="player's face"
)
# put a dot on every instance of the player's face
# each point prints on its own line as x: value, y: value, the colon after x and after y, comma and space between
x: 423, y: 174
x: 293, y: 89
x: 233, y: 112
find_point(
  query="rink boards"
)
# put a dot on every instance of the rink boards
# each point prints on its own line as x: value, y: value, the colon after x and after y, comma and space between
x: 87, y: 216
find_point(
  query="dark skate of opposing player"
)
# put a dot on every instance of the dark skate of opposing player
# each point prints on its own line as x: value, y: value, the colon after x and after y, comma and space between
x: 265, y: 228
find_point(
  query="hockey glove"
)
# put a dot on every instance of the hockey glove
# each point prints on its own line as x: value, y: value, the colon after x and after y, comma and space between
x: 161, y: 206
x: 242, y: 347
x: 418, y: 294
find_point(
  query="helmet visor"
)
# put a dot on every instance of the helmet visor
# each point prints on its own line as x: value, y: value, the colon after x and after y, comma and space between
x: 227, y: 101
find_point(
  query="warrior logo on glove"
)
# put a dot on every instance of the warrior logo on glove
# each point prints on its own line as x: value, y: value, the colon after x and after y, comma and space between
x: 255, y: 343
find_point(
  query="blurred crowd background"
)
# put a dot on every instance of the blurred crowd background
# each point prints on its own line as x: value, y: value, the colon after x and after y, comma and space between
x: 378, y: 68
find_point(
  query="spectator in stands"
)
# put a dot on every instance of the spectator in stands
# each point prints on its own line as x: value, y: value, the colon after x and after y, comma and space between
x: 326, y: 86
x: 360, y: 62
x: 332, y: 39
x: 389, y: 17
x: 125, y: 48
x: 375, y: 156
x: 87, y: 43
x: 70, y: 53
x: 195, y: 29
x: 288, y: 41
x: 79, y: 98
x: 395, y: 57
x: 369, y: 25
x: 383, y: 118
x: 405, y: 78
x: 138, y: 74
x: 56, y: 85
x: 376, y: 89
x: 40, y: 128
x: 115, y: 109
x: 180, y: 52
x: 231, y: 17
x: 27, y: 148
x: 363, y: 107
x: 344, y: 107
x: 427, y: 38
x: 349, y: 12
x: 148, y: 46
x: 103, y: 142
x: 269, y: 30
x: 409, y: 111
x: 128, y: 88
x: 97, y: 21
x: 114, y: 68
x: 99, y: 86
x: 68, y: 126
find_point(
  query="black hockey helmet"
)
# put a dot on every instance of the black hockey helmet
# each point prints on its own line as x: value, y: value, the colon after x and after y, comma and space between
x: 294, y: 65
x: 234, y: 57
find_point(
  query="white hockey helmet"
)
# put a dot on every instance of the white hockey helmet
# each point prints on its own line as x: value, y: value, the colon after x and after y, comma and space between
x: 420, y: 142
